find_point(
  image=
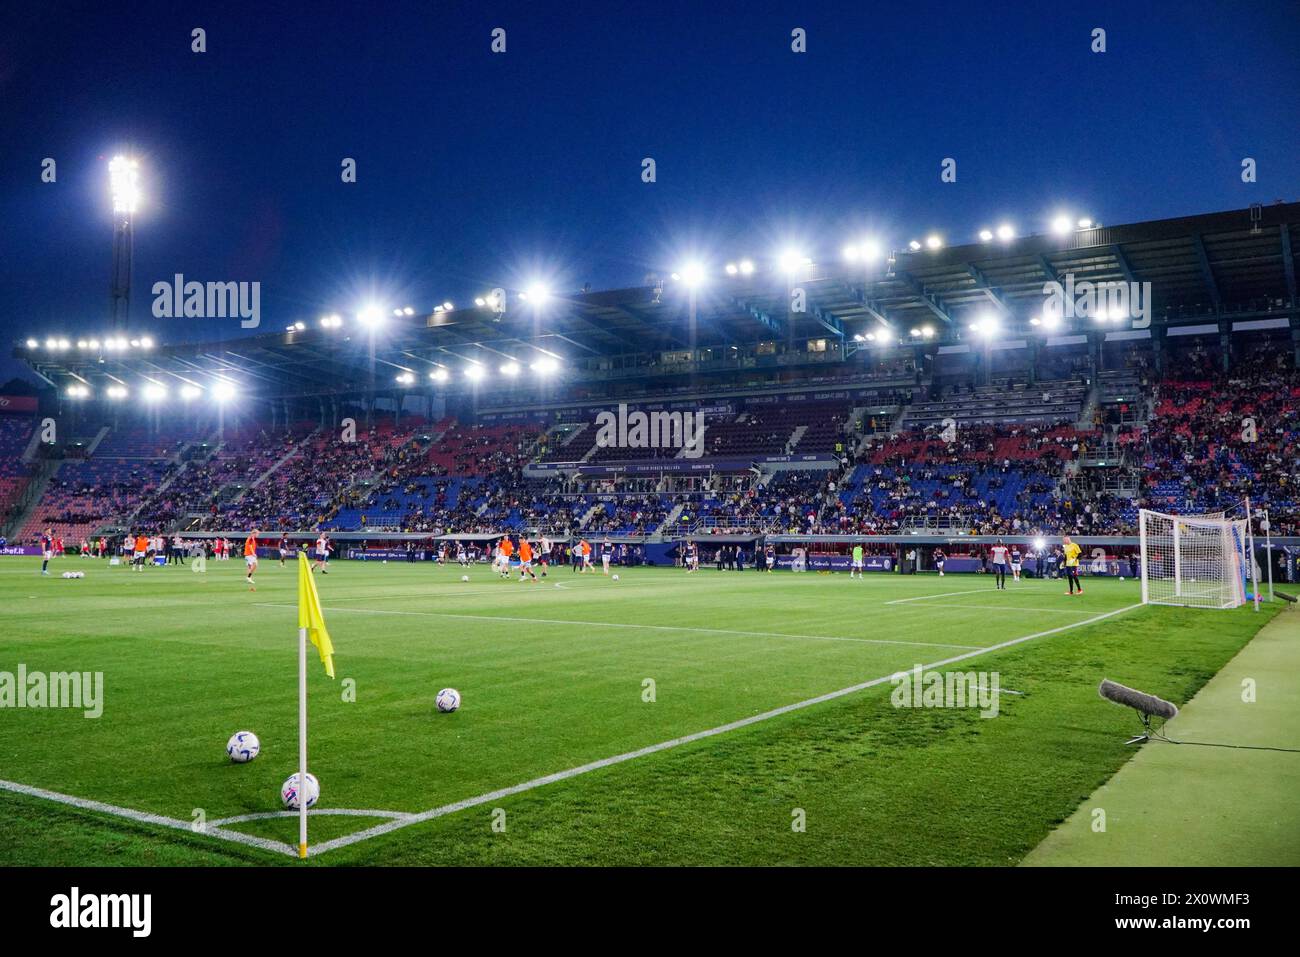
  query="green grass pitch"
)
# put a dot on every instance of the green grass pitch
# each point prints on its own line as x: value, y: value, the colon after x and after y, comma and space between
x: 554, y: 677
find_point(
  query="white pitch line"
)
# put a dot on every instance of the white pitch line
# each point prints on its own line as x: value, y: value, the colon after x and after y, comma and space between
x: 314, y: 812
x: 610, y: 624
x: 959, y: 606
x: 446, y: 809
x: 143, y: 817
x: 946, y: 594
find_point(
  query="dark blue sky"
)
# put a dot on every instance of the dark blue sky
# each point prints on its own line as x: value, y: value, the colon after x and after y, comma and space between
x: 477, y: 169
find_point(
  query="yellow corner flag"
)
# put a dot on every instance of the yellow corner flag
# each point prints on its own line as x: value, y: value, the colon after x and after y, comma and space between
x: 310, y: 617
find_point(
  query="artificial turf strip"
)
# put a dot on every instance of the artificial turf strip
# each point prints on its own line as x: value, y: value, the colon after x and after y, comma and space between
x: 878, y: 785
x: 1233, y: 803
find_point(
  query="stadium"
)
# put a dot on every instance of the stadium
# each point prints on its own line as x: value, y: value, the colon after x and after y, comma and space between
x: 965, y: 544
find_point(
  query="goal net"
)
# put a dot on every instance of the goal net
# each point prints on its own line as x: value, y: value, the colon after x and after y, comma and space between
x: 1199, y: 561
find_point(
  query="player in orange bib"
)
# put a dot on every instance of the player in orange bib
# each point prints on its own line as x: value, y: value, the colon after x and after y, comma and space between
x: 586, y: 556
x: 525, y: 559
x: 141, y: 550
x: 250, y: 558
x: 507, y: 549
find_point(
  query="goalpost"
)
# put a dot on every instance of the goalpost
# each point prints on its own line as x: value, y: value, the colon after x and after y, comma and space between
x: 1198, y: 561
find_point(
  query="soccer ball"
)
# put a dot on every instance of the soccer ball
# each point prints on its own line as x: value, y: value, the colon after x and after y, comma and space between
x: 384, y: 562
x: 1121, y: 577
x: 464, y: 578
x: 289, y: 791
x: 243, y: 746
x: 615, y: 578
x: 448, y: 700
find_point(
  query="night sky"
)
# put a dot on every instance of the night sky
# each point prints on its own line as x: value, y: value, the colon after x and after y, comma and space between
x: 477, y: 169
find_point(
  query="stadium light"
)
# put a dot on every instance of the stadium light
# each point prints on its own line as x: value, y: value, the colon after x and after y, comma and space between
x: 447, y: 307
x: 864, y: 251
x: 1061, y: 225
x: 370, y: 315
x: 693, y: 274
x: 474, y: 372
x: 51, y: 344
x: 124, y: 184
x: 927, y: 332
x: 1085, y: 223
x: 859, y: 337
x: 986, y: 235
x: 77, y: 392
x: 190, y: 391
x: 731, y: 269
x: 746, y: 267
x: 510, y: 368
x: 406, y: 378
x: 81, y: 343
x: 332, y: 321
x: 93, y: 343
x: 439, y: 374
x: 914, y: 245
x: 135, y: 343
x: 1040, y: 544
x: 223, y: 391
x: 116, y: 392
x: 536, y: 293
x: 146, y: 342
x: 871, y: 337
x: 544, y: 366
x: 915, y: 333
x: 791, y: 261
x: 154, y: 391
x: 32, y: 343
x: 1006, y: 232
x: 985, y: 325
x: 933, y: 242
x: 64, y: 345
x: 480, y: 301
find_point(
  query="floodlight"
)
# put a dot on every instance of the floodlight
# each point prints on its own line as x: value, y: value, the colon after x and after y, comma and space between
x: 538, y: 293
x: 871, y: 337
x: 1006, y: 232
x: 223, y: 391
x: 405, y: 378
x: 510, y: 368
x: 154, y: 391
x: 93, y: 343
x: 116, y: 392
x: 32, y: 343
x: 77, y: 392
x: 545, y: 365
x: 859, y: 337
x: 927, y: 331
x: 1040, y: 544
x: 1061, y: 225
x: 915, y: 332
x: 474, y: 372
x: 124, y: 184
x: 791, y: 260
x: 933, y: 242
x: 1085, y: 223
x: 986, y: 325
x: 731, y: 269
x: 135, y: 343
x: 746, y: 267
x: 914, y: 245
x: 439, y: 374
x: 64, y: 344
x: 51, y: 344
x: 81, y: 343
x: 693, y: 274
x: 985, y: 235
x: 446, y: 305
x: 370, y: 315
x: 480, y: 301
x: 1035, y: 321
x: 147, y: 343
x: 190, y: 391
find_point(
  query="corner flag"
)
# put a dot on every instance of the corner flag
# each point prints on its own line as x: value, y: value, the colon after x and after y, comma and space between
x: 311, y: 625
x: 310, y: 617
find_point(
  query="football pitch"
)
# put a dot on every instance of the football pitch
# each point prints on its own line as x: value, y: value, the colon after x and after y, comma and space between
x: 714, y: 718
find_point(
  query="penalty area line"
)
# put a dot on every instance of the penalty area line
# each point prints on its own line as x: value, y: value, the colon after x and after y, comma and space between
x: 390, y: 826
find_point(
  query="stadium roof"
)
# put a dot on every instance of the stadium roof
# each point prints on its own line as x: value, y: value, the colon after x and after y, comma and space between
x: 1210, y: 268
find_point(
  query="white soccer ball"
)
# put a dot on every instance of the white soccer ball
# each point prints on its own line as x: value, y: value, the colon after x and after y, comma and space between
x: 384, y: 562
x: 464, y: 578
x: 448, y: 700
x: 243, y: 746
x: 1121, y: 577
x: 615, y: 578
x: 289, y: 792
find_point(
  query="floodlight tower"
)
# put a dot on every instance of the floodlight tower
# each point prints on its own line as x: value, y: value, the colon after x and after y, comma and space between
x: 124, y: 184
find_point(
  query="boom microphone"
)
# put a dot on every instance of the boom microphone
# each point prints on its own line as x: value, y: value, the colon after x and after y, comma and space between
x: 1147, y: 705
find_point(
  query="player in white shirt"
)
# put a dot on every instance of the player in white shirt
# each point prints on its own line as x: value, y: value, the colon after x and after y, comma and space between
x: 322, y: 554
x: 1000, y: 555
x: 1016, y: 561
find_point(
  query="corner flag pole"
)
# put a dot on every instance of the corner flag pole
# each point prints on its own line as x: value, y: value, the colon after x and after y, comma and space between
x: 302, y: 743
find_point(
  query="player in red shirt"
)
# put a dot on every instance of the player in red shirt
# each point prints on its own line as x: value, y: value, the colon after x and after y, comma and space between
x: 1000, y: 555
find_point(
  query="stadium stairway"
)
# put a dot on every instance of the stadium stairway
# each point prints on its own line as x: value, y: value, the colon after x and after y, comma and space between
x: 43, y: 470
x: 275, y: 467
